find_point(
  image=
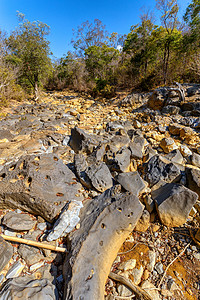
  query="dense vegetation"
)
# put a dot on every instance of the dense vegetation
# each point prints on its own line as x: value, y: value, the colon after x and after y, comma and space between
x: 101, y: 63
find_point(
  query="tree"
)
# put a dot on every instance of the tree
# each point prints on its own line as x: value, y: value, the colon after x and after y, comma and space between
x: 30, y: 50
x: 169, y: 18
x: 89, y: 34
x: 101, y: 63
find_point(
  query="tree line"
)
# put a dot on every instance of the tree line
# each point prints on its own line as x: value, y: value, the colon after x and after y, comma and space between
x: 149, y: 55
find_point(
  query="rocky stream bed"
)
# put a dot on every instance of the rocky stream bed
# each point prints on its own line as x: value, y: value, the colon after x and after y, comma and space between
x: 114, y: 184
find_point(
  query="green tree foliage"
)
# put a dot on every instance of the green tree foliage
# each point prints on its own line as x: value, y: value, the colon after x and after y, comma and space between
x: 29, y: 50
x: 101, y: 65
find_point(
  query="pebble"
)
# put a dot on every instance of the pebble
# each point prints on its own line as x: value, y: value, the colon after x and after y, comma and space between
x: 137, y: 275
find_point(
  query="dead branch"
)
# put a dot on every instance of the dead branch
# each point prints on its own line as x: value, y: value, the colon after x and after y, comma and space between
x: 161, y: 281
x: 136, y: 289
x: 33, y: 243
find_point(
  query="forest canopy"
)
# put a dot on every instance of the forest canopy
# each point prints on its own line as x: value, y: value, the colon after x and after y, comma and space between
x: 147, y: 56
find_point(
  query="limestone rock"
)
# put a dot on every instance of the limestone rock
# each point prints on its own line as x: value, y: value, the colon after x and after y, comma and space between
x: 127, y: 265
x: 151, y: 290
x: 41, y: 185
x: 66, y: 222
x: 168, y: 145
x: 185, y: 151
x: 144, y: 222
x: 6, y: 252
x: 137, y: 147
x: 137, y: 275
x: 196, y: 159
x: 156, y: 169
x: 156, y: 100
x: 18, y: 222
x: 28, y: 288
x: 131, y: 182
x: 82, y: 141
x: 174, y: 203
x: 193, y: 179
x: 100, y: 176
x: 175, y: 128
x: 105, y: 223
x: 171, y: 109
x: 122, y: 160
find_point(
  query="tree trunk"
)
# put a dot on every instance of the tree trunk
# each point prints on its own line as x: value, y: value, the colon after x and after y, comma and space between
x: 36, y: 91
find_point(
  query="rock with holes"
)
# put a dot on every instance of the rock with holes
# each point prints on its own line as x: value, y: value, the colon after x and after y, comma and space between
x: 157, y: 169
x: 174, y: 203
x: 131, y: 182
x: 28, y: 288
x: 18, y: 222
x: 41, y: 185
x: 100, y: 176
x: 105, y: 223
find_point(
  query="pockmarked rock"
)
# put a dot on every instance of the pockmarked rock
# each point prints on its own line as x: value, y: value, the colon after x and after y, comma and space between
x: 105, y: 223
x: 174, y: 203
x: 157, y: 169
x: 28, y: 288
x: 131, y: 182
x: 6, y: 252
x: 39, y: 184
x: 18, y: 222
x: 100, y: 176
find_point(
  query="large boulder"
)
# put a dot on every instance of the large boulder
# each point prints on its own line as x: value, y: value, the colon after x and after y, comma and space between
x: 157, y: 169
x: 41, y: 185
x: 105, y: 223
x: 28, y: 288
x: 174, y: 203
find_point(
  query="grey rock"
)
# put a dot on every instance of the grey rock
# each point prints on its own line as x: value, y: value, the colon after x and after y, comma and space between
x: 196, y: 159
x: 137, y: 147
x: 100, y: 176
x: 174, y: 203
x: 106, y: 222
x: 122, y: 160
x: 6, y: 134
x: 6, y: 252
x: 131, y: 182
x: 81, y: 165
x: 171, y: 109
x: 175, y: 156
x: 41, y: 185
x: 156, y: 169
x: 81, y: 141
x: 18, y: 222
x: 30, y: 254
x: 28, y: 288
x: 193, y: 179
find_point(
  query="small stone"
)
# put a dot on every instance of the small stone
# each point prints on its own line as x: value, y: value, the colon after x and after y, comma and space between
x: 128, y: 265
x: 151, y: 290
x: 132, y: 182
x: 168, y: 145
x: 18, y: 222
x: 36, y: 266
x: 137, y: 275
x: 197, y: 255
x: 159, y: 268
x: 171, y: 285
x: 124, y: 291
x: 144, y: 222
x: 174, y: 203
x: 152, y: 261
x: 6, y: 252
x: 196, y: 160
x: 146, y: 274
x: 185, y: 151
x: 42, y: 226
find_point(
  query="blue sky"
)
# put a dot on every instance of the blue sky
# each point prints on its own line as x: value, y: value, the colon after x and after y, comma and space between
x: 64, y: 15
